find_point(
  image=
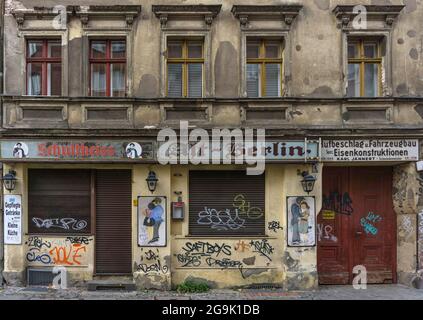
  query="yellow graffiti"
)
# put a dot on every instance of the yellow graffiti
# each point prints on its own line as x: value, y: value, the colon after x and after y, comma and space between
x: 244, y: 207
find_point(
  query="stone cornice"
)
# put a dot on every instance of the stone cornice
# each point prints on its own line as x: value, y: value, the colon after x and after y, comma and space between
x: 346, y: 13
x: 206, y: 12
x: 127, y: 12
x: 84, y: 13
x: 245, y: 13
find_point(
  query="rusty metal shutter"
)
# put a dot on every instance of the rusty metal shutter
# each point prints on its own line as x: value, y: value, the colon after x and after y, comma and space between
x: 59, y: 201
x: 226, y: 203
x: 113, y: 247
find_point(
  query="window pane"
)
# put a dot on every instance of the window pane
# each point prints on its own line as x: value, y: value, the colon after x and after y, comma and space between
x: 118, y: 50
x: 253, y: 50
x: 54, y: 49
x: 253, y: 80
x: 174, y: 75
x: 35, y: 49
x: 34, y: 73
x: 273, y: 84
x: 98, y: 80
x: 273, y: 49
x: 370, y: 50
x: 54, y: 79
x: 118, y: 79
x: 98, y: 49
x: 353, y: 50
x: 353, y: 80
x: 195, y: 50
x: 174, y: 50
x: 371, y: 80
x: 195, y: 80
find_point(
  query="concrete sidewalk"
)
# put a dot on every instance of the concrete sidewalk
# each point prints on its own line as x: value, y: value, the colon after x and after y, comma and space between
x: 373, y: 292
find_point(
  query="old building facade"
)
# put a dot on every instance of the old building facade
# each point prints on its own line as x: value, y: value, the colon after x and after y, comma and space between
x: 337, y: 85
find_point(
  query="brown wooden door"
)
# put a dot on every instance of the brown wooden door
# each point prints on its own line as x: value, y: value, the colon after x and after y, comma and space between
x: 356, y: 225
x: 113, y: 247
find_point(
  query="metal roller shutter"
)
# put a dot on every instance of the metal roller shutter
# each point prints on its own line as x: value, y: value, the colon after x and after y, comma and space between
x: 59, y: 201
x: 226, y: 203
x: 113, y: 222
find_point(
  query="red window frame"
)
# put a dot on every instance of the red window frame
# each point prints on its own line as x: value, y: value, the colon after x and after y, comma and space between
x: 44, y: 60
x: 108, y: 60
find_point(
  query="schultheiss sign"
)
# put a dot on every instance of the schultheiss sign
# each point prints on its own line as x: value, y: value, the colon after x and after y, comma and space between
x: 370, y: 150
x: 93, y: 150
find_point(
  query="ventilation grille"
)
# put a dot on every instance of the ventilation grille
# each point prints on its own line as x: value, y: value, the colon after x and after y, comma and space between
x: 263, y: 286
x: 40, y: 277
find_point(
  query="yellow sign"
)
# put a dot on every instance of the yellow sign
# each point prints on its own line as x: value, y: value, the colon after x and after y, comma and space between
x: 328, y: 215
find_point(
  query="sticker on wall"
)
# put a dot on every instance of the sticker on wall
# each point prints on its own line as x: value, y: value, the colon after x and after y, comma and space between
x: 328, y: 215
x: 301, y: 221
x: 12, y: 219
x: 152, y: 221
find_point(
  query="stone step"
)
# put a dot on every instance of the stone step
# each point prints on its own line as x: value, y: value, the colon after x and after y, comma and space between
x: 111, y: 285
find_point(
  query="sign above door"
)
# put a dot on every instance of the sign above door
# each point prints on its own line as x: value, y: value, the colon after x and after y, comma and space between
x: 77, y: 150
x: 370, y: 150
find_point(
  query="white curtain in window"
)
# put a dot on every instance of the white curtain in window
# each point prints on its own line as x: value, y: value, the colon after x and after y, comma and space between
x: 253, y: 80
x: 353, y: 80
x: 195, y: 80
x: 99, y: 80
x: 273, y: 84
x: 118, y: 78
x: 35, y: 85
x: 174, y: 80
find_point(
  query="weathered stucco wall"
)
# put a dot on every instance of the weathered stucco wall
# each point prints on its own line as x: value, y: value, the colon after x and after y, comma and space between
x: 315, y: 45
x: 239, y: 261
x: 247, y: 261
x: 406, y: 195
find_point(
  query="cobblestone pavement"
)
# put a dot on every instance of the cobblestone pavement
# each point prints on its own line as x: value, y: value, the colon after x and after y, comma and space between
x: 373, y: 292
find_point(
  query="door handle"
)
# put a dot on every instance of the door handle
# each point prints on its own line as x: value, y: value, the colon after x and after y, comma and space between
x: 358, y: 233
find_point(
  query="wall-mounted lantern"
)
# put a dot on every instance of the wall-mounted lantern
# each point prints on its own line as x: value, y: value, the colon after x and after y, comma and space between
x: 308, y: 182
x: 9, y: 180
x: 152, y: 181
x: 178, y: 209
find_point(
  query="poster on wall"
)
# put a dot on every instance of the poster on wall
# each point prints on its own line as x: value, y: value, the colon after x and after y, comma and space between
x: 152, y: 221
x: 12, y: 219
x: 301, y: 221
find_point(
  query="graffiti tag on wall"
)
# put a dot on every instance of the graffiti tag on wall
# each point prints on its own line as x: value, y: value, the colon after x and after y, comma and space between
x: 230, y: 218
x: 274, y: 226
x: 202, y: 254
x: 369, y: 223
x: 325, y: 233
x: 60, y: 223
x: 338, y: 202
x: 68, y: 251
x: 150, y: 261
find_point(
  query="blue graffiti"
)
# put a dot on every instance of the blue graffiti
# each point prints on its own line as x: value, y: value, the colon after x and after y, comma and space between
x: 367, y: 223
x: 34, y: 255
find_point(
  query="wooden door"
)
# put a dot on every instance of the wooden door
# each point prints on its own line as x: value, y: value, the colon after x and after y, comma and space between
x: 373, y: 231
x: 356, y: 225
